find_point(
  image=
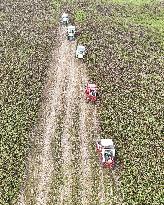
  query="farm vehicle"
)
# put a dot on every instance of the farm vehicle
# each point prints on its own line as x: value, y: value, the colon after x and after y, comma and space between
x: 65, y: 19
x: 91, y: 92
x: 106, y: 150
x: 71, y: 32
x: 80, y: 52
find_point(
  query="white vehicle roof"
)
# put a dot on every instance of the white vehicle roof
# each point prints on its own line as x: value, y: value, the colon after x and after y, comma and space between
x: 65, y: 15
x: 92, y: 85
x: 71, y: 28
x: 81, y: 48
x: 106, y: 142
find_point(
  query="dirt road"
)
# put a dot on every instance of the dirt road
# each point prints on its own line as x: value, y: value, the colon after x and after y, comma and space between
x: 64, y: 169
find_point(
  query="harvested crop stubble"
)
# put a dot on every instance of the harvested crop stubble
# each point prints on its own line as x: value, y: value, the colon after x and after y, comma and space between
x: 27, y: 39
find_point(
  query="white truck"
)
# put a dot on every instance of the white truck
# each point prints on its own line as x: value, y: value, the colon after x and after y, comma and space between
x: 71, y: 33
x: 80, y: 52
x: 65, y: 19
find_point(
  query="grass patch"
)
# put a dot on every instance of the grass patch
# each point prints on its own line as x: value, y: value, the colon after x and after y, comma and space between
x: 135, y: 2
x: 152, y: 21
x: 80, y: 16
x: 149, y: 16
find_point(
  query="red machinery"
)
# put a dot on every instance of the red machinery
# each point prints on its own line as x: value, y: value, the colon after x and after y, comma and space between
x: 91, y: 92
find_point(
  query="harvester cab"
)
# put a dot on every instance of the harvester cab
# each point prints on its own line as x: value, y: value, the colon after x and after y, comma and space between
x: 106, y: 150
x: 91, y: 92
x: 71, y: 33
x: 80, y: 51
x: 65, y: 19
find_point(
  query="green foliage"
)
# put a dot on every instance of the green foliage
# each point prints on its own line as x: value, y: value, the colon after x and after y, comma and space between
x: 135, y: 2
x: 26, y: 45
x: 56, y: 6
x: 153, y: 20
x: 80, y: 16
x: 126, y: 61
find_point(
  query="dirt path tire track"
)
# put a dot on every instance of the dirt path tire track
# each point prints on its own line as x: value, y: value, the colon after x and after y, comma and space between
x: 41, y: 165
x: 73, y: 99
x: 75, y: 96
x: 88, y: 119
x: 86, y: 176
x: 56, y: 103
x: 71, y: 96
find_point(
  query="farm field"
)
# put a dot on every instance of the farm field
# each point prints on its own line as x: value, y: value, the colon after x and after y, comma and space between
x: 49, y: 131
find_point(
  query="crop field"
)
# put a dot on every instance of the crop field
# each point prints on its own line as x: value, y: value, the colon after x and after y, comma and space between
x: 49, y: 131
x: 27, y: 39
x: 125, y: 58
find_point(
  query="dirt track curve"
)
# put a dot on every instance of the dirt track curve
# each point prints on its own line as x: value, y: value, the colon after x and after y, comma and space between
x: 66, y: 170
